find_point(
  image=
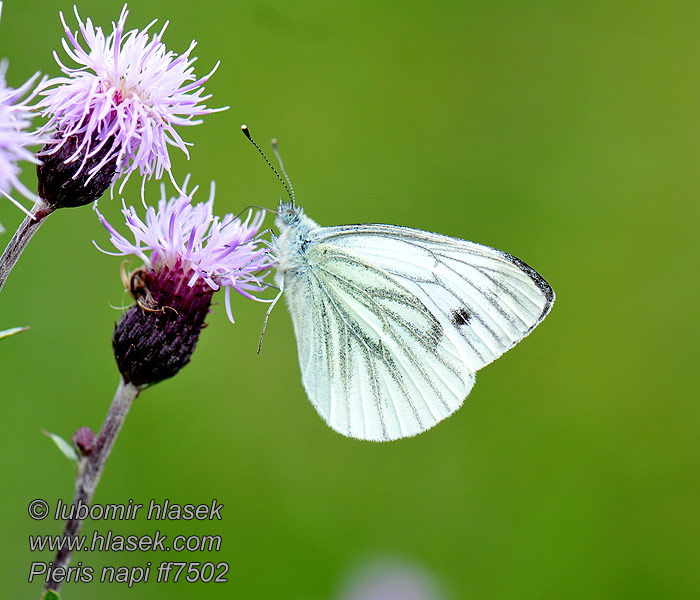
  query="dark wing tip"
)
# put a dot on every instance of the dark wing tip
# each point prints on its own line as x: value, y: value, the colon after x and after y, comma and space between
x: 538, y: 280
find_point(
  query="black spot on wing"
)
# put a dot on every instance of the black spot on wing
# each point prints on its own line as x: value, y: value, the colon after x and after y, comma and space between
x: 461, y: 317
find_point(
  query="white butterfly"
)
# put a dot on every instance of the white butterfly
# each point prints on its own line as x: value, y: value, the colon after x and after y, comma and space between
x: 392, y: 323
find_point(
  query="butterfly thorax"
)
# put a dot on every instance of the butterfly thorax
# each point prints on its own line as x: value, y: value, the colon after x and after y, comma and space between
x: 294, y: 227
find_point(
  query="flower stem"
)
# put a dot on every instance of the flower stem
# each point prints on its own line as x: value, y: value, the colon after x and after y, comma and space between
x: 20, y: 240
x: 89, y: 476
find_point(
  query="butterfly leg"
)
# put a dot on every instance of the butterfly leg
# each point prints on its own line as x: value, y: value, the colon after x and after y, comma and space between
x: 267, y: 314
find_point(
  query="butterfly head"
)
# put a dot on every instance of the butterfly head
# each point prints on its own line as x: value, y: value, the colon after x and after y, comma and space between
x: 287, y: 215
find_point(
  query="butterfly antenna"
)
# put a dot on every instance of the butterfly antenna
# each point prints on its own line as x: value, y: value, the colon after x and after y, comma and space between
x: 279, y: 160
x: 262, y: 208
x: 246, y: 132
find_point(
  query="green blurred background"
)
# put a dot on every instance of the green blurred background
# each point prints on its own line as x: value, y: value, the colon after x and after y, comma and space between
x: 566, y: 133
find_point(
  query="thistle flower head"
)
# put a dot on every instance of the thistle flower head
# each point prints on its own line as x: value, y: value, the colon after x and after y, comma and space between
x: 15, y: 135
x: 188, y: 254
x: 121, y: 105
x: 222, y: 252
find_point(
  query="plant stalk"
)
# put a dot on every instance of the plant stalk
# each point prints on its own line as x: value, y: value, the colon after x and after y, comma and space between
x: 88, y: 478
x: 20, y: 239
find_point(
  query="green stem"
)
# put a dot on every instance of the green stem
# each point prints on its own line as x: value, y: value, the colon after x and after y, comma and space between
x: 20, y: 239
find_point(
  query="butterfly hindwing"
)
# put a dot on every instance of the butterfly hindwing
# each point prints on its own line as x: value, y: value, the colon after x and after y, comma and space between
x: 374, y: 360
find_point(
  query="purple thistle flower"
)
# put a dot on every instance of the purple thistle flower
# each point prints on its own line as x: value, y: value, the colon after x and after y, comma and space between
x: 121, y: 105
x: 222, y: 252
x: 188, y: 254
x: 15, y: 136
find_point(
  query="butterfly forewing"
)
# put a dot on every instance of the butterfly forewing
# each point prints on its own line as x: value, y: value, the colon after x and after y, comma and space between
x: 485, y: 299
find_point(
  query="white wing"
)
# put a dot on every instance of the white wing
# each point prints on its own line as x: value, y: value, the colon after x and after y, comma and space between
x: 392, y: 323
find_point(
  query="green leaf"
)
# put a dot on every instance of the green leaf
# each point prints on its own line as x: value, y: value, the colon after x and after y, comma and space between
x: 9, y: 332
x: 67, y: 450
x: 50, y: 595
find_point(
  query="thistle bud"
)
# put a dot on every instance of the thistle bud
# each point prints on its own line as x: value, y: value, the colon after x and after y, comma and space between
x: 70, y: 175
x: 83, y: 439
x: 156, y: 336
